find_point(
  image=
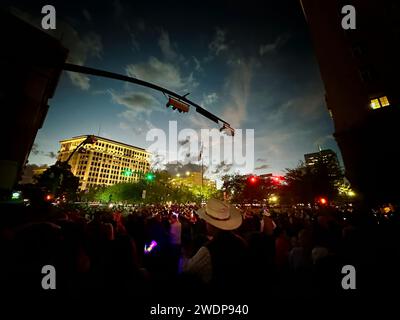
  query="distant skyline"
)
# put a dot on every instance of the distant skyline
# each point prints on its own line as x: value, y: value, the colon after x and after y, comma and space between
x: 250, y: 63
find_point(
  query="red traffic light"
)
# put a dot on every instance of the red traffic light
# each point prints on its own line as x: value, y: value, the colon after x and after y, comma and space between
x: 323, y: 201
x: 176, y: 104
x: 253, y: 179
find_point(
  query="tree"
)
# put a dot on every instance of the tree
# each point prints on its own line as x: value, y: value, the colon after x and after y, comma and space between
x: 306, y: 183
x: 59, y: 180
x: 242, y: 189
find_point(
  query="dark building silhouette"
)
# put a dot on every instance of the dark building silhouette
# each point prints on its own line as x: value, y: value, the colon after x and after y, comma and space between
x: 327, y: 156
x: 360, y: 70
x: 31, y: 62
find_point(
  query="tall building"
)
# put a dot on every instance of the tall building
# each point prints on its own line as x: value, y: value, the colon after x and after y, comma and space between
x: 360, y: 69
x: 106, y: 162
x: 327, y: 156
x: 31, y: 64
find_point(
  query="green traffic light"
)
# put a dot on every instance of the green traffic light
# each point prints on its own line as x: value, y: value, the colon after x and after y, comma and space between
x: 149, y: 177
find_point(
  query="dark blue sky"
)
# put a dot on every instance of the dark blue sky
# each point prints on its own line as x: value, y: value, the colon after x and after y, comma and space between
x: 249, y: 62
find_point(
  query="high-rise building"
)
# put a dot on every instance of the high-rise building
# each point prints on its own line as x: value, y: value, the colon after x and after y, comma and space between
x: 360, y: 69
x: 328, y: 157
x: 106, y: 162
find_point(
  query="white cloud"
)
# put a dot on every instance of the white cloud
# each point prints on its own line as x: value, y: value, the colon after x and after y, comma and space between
x: 166, y: 47
x: 218, y: 44
x: 197, y: 65
x: 238, y: 90
x: 136, y: 103
x: 161, y: 73
x: 80, y: 50
x: 209, y: 99
x: 80, y: 80
x: 272, y: 47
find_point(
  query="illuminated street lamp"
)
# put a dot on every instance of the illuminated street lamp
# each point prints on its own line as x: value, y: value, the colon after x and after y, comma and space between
x: 351, y: 193
x: 187, y: 173
x: 178, y: 175
x: 273, y: 198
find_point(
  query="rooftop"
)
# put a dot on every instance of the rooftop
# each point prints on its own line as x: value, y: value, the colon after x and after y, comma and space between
x: 103, y: 139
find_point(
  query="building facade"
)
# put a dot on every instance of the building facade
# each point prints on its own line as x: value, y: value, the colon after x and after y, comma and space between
x: 360, y: 68
x: 327, y: 156
x: 104, y: 163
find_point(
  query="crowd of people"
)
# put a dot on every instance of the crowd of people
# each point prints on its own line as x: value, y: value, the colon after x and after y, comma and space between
x: 159, y: 250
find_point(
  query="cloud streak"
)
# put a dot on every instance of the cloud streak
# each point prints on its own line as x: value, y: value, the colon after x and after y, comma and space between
x: 166, y: 47
x: 274, y: 46
x: 218, y: 44
x: 264, y: 166
x: 238, y: 87
x: 162, y: 73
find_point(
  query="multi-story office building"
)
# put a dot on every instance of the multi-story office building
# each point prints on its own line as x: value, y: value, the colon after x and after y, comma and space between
x: 327, y: 156
x: 106, y: 162
x: 360, y: 69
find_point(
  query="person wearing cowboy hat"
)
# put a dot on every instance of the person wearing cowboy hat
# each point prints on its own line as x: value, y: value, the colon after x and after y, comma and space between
x: 219, y: 262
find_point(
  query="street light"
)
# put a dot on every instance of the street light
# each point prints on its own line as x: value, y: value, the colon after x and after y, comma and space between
x: 273, y: 198
x: 178, y: 175
x: 187, y: 173
x: 351, y: 193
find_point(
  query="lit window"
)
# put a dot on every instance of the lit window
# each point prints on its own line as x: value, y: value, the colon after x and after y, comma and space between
x: 380, y: 102
x: 375, y: 104
x: 384, y: 101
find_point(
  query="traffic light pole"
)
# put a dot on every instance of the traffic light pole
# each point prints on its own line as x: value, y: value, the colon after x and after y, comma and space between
x: 101, y: 73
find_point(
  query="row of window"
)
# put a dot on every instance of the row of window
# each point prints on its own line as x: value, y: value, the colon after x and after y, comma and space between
x: 113, y: 147
x: 379, y: 102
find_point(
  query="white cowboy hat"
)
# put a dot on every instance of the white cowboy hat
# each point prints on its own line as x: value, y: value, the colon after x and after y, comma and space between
x: 221, y: 215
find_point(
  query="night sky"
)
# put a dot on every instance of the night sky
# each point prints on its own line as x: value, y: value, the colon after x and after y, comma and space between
x: 249, y: 62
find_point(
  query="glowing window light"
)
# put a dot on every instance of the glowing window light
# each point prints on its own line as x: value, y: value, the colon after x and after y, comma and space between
x: 384, y: 101
x: 375, y: 104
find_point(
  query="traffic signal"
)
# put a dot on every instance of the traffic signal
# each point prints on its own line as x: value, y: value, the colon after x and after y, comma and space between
x: 177, y: 104
x: 149, y: 176
x: 278, y: 179
x: 322, y: 200
x: 253, y: 179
